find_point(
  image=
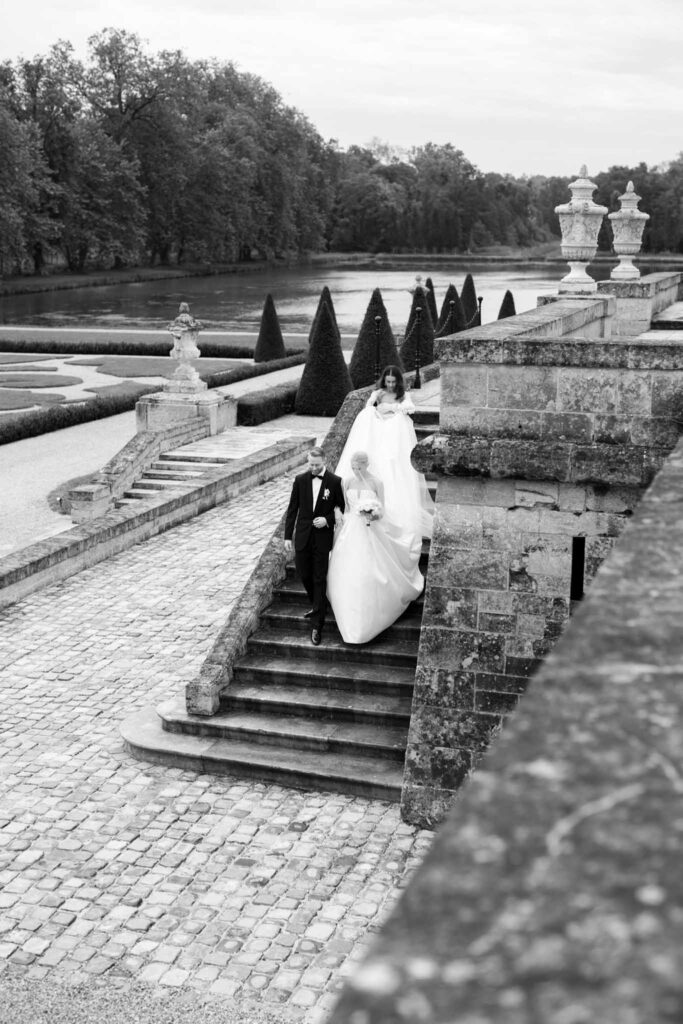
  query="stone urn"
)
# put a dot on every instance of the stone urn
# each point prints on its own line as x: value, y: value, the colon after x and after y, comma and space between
x: 580, y: 221
x: 628, y: 225
x: 185, y: 332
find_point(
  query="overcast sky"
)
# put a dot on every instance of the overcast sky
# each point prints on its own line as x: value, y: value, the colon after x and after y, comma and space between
x: 537, y: 86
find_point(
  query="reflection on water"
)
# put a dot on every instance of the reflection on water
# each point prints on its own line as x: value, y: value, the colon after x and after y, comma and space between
x: 234, y: 302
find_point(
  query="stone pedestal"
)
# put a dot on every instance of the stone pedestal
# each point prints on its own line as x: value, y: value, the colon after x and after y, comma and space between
x: 166, y: 408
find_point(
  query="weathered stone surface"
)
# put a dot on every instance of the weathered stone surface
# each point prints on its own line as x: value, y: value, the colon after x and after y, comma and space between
x: 446, y: 767
x: 552, y: 891
x: 457, y: 650
x: 446, y: 686
x: 539, y: 494
x: 530, y: 461
x: 566, y: 427
x: 582, y: 390
x: 522, y: 387
x: 450, y: 607
x: 667, y: 395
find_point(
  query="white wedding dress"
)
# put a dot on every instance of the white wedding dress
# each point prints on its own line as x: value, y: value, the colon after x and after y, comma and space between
x: 388, y: 441
x: 373, y: 574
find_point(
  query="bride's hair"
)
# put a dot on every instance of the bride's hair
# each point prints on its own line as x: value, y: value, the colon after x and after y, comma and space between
x: 393, y: 371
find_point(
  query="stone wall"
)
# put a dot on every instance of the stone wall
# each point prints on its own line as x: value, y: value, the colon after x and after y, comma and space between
x: 553, y: 891
x: 498, y: 597
x: 545, y: 446
x: 637, y: 302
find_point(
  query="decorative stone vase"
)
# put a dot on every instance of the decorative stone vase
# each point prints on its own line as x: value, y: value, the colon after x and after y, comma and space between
x: 628, y: 225
x: 185, y: 332
x: 580, y: 221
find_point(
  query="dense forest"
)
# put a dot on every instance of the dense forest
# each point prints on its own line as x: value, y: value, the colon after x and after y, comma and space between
x: 134, y: 157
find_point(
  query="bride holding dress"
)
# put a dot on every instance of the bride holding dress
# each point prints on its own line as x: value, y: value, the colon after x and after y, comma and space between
x: 385, y: 431
x: 373, y: 574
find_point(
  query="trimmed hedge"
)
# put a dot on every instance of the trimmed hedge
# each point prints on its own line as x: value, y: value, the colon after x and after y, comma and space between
x: 325, y: 382
x: 362, y: 365
x: 261, y: 406
x: 431, y: 300
x: 447, y: 324
x: 90, y: 346
x: 269, y: 344
x: 43, y: 421
x: 468, y: 297
x: 507, y: 306
x: 426, y: 339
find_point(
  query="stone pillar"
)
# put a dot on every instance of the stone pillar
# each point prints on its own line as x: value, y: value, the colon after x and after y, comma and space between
x: 580, y: 221
x: 186, y: 395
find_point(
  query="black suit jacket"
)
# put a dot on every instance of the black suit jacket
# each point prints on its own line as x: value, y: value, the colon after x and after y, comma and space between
x: 301, y: 513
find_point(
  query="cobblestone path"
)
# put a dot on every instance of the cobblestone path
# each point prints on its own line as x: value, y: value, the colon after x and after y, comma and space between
x: 115, y: 872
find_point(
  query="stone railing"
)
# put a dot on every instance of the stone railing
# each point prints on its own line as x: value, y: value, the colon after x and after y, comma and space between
x: 202, y: 694
x: 89, y: 501
x: 638, y: 301
x: 553, y: 890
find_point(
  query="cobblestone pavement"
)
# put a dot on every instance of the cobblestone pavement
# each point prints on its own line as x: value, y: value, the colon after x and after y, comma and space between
x: 116, y: 872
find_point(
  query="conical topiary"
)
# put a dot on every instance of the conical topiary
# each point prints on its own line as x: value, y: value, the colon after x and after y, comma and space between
x: 325, y: 382
x: 364, y: 358
x: 325, y: 299
x: 450, y: 320
x: 270, y: 343
x: 431, y: 299
x: 507, y: 306
x: 426, y: 340
x: 468, y: 297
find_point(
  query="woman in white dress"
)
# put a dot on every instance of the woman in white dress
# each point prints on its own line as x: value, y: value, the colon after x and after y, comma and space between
x: 385, y: 431
x: 373, y: 573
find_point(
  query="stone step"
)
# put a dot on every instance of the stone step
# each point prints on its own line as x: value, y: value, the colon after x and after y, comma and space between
x: 337, y: 676
x: 374, y: 778
x: 186, y: 466
x: 313, y: 702
x: 138, y: 493
x: 289, y: 617
x: 382, y: 650
x: 291, y: 591
x: 427, y: 414
x: 358, y: 739
x: 146, y: 483
x: 193, y: 457
x: 172, y: 474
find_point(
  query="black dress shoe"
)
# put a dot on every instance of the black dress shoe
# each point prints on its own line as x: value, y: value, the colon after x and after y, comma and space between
x: 308, y: 614
x: 315, y: 637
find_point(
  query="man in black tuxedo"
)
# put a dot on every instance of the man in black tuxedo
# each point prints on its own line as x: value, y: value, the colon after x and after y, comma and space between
x: 315, y: 496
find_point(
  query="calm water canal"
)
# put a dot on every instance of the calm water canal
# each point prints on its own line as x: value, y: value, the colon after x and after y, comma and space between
x: 233, y: 302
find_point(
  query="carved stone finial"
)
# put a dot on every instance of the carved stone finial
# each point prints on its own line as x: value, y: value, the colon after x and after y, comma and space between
x: 628, y: 225
x: 580, y: 221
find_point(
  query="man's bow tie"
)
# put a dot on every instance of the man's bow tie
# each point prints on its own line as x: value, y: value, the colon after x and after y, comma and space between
x: 317, y: 476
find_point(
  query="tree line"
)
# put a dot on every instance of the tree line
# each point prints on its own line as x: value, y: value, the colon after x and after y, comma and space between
x: 134, y: 157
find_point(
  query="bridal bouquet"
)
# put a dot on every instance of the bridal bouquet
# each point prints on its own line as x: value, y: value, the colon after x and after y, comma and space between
x: 370, y: 509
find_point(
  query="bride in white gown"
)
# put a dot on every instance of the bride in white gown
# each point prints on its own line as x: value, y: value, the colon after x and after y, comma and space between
x: 373, y: 574
x: 385, y: 431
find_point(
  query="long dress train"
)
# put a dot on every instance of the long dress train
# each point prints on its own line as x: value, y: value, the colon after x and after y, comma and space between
x: 373, y: 574
x: 388, y: 441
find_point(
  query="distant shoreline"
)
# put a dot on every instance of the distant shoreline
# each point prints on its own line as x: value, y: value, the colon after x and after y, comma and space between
x: 135, y: 275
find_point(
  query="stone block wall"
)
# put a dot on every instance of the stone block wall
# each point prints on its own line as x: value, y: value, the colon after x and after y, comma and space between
x: 545, y: 437
x: 497, y: 599
x: 637, y: 302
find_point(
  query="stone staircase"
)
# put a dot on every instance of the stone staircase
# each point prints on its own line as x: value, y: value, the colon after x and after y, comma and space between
x: 171, y: 471
x: 333, y: 717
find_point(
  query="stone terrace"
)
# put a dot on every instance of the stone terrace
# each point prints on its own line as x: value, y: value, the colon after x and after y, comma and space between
x: 114, y: 872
